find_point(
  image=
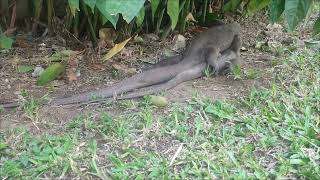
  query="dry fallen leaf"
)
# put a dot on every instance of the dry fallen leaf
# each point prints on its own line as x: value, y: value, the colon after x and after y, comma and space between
x: 190, y: 17
x: 14, y: 61
x: 71, y: 75
x: 97, y: 67
x: 117, y: 48
x: 72, y: 66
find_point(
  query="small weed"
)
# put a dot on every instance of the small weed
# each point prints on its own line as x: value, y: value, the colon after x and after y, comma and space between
x: 207, y: 71
x: 147, y: 116
x: 81, y: 121
x: 236, y: 72
x: 252, y: 73
x: 127, y: 104
x: 34, y: 155
x: 31, y: 104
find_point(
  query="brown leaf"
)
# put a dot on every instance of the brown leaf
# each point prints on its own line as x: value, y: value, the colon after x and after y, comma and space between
x: 71, y: 75
x: 190, y: 17
x: 98, y: 67
x: 116, y: 49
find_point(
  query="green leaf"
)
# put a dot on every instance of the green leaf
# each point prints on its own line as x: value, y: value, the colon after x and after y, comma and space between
x: 295, y: 11
x: 37, y: 7
x: 140, y: 17
x: 316, y: 26
x: 91, y: 4
x: 256, y: 5
x: 50, y: 73
x: 297, y: 162
x: 5, y: 42
x: 128, y: 8
x: 154, y: 6
x: 276, y: 9
x: 231, y: 5
x: 112, y: 18
x: 103, y: 19
x: 24, y: 68
x: 173, y: 12
x: 74, y: 6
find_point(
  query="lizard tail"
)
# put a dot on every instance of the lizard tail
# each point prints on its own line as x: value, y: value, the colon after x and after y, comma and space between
x: 186, y: 75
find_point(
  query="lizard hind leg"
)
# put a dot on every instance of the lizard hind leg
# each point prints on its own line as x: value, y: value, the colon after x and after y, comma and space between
x: 231, y: 56
x: 186, y: 75
x: 212, y: 55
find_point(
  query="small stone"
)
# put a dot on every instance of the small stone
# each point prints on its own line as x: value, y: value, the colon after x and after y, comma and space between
x: 138, y: 39
x: 179, y: 42
x: 300, y: 43
x: 168, y: 53
x: 274, y: 27
x: 42, y: 45
x: 243, y: 48
x: 37, y: 71
x: 78, y: 73
x: 151, y: 36
x: 4, y: 51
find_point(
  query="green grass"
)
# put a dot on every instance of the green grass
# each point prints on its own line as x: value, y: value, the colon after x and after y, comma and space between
x: 271, y: 133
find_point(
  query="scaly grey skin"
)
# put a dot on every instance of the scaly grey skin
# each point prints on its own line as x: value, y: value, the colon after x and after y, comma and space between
x: 221, y: 65
x: 218, y: 39
x: 205, y: 48
x: 187, y: 75
x: 195, y: 72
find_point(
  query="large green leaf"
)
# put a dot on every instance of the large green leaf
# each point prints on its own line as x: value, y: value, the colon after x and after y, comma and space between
x: 256, y: 5
x: 316, y: 26
x: 5, y: 42
x: 128, y: 8
x: 276, y: 9
x: 74, y: 6
x: 295, y: 11
x: 91, y: 4
x: 103, y: 19
x: 140, y: 17
x: 112, y: 18
x: 231, y: 5
x: 154, y: 6
x: 24, y: 68
x: 173, y: 12
x: 107, y: 15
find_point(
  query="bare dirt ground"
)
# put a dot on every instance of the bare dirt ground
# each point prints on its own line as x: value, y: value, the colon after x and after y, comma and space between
x: 96, y: 74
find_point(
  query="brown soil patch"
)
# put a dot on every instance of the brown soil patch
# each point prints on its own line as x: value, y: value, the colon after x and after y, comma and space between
x: 51, y: 118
